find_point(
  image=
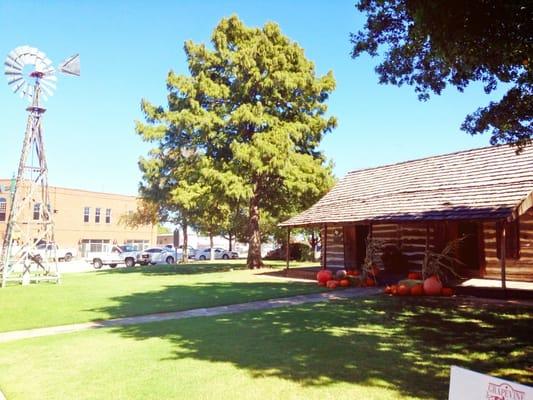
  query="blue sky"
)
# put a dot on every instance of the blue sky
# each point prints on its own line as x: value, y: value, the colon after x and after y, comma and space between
x: 128, y: 47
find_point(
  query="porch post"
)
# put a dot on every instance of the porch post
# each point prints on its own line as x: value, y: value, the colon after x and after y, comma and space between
x: 288, y: 250
x: 503, y: 255
x: 324, y: 253
x: 426, y: 249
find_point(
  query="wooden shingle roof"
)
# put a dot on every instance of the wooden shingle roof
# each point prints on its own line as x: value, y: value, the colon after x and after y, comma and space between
x: 486, y: 183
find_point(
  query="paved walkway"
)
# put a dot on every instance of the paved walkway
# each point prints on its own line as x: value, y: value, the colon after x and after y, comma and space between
x: 197, y: 312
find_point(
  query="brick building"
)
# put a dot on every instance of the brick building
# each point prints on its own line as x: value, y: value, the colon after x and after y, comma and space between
x: 85, y: 219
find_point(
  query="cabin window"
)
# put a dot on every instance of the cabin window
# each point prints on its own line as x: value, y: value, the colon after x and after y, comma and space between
x: 3, y: 207
x: 512, y: 239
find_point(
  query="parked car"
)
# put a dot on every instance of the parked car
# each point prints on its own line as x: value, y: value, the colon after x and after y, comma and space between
x: 46, y: 251
x: 205, y: 254
x: 156, y: 255
x: 129, y: 254
x: 110, y: 255
x: 179, y: 251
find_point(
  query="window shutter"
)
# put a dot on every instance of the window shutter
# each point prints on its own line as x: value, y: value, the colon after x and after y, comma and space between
x: 512, y: 239
x: 512, y: 244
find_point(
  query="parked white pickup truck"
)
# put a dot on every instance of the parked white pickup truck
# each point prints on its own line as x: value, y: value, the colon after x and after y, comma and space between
x: 46, y: 251
x: 113, y: 255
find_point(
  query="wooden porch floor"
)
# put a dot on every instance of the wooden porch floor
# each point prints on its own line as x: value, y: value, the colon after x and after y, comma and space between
x: 496, y: 284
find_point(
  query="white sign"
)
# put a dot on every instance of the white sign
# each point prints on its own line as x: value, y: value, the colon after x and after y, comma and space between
x: 469, y: 385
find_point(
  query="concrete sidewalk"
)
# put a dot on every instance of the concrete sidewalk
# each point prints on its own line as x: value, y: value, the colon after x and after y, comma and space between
x: 197, y: 312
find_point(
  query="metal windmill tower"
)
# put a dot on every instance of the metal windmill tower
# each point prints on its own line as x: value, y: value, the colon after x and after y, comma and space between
x: 31, y: 74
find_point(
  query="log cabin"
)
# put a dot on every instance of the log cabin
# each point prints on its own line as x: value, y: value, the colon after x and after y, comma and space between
x: 482, y: 195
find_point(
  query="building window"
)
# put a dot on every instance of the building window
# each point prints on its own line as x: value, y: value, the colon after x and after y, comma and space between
x: 97, y: 215
x: 86, y: 214
x: 108, y: 216
x: 36, y: 211
x: 94, y: 245
x: 3, y: 204
x: 138, y: 244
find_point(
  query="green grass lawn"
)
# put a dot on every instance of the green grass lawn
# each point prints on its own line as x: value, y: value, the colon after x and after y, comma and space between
x: 376, y: 348
x: 124, y: 292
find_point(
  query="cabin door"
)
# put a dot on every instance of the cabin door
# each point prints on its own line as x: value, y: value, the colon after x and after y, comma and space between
x: 355, y: 246
x: 471, y: 247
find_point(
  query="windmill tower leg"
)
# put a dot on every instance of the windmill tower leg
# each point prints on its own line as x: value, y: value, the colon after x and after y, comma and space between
x: 30, y: 221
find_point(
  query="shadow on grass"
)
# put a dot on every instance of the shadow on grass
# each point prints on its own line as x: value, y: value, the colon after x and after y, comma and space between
x: 406, y: 345
x: 200, y: 295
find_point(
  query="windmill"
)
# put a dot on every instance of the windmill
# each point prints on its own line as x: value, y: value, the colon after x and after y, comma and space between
x: 30, y: 223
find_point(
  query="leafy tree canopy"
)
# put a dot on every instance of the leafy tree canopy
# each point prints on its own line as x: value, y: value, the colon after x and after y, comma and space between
x: 250, y: 118
x: 429, y: 44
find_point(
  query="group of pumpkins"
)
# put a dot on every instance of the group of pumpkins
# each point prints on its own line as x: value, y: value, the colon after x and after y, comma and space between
x: 415, y: 286
x: 345, y: 278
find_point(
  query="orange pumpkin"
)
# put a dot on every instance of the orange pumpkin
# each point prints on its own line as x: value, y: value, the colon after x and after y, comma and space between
x: 321, y: 283
x: 414, y: 275
x: 332, y: 284
x: 387, y: 290
x: 370, y: 282
x: 403, y: 290
x: 446, y: 291
x: 324, y: 276
x: 417, y: 290
x: 344, y: 283
x: 432, y: 286
x: 394, y: 290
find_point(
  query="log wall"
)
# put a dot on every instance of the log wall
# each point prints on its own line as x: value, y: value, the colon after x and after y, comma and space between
x: 411, y: 239
x: 334, y: 247
x: 520, y: 269
x: 389, y: 233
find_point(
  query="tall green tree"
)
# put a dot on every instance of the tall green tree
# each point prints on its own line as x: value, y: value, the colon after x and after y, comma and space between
x: 253, y: 109
x: 429, y: 44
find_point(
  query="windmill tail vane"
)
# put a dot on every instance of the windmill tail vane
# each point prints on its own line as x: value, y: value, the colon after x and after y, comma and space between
x: 31, y: 75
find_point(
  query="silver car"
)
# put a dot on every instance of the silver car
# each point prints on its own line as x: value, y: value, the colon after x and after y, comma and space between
x: 205, y: 254
x: 156, y: 255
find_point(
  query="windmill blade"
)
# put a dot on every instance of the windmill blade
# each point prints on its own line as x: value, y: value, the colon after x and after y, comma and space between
x: 9, y: 68
x: 14, y: 80
x: 49, y: 78
x: 48, y: 71
x: 17, y: 87
x: 12, y: 57
x: 12, y: 63
x: 48, y: 88
x: 71, y: 65
x: 28, y: 59
x: 48, y: 83
x: 47, y: 91
x: 12, y: 73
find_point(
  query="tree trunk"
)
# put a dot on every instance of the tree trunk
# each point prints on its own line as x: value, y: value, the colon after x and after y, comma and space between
x: 212, y: 250
x: 230, y: 239
x: 185, y: 252
x: 254, y: 235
